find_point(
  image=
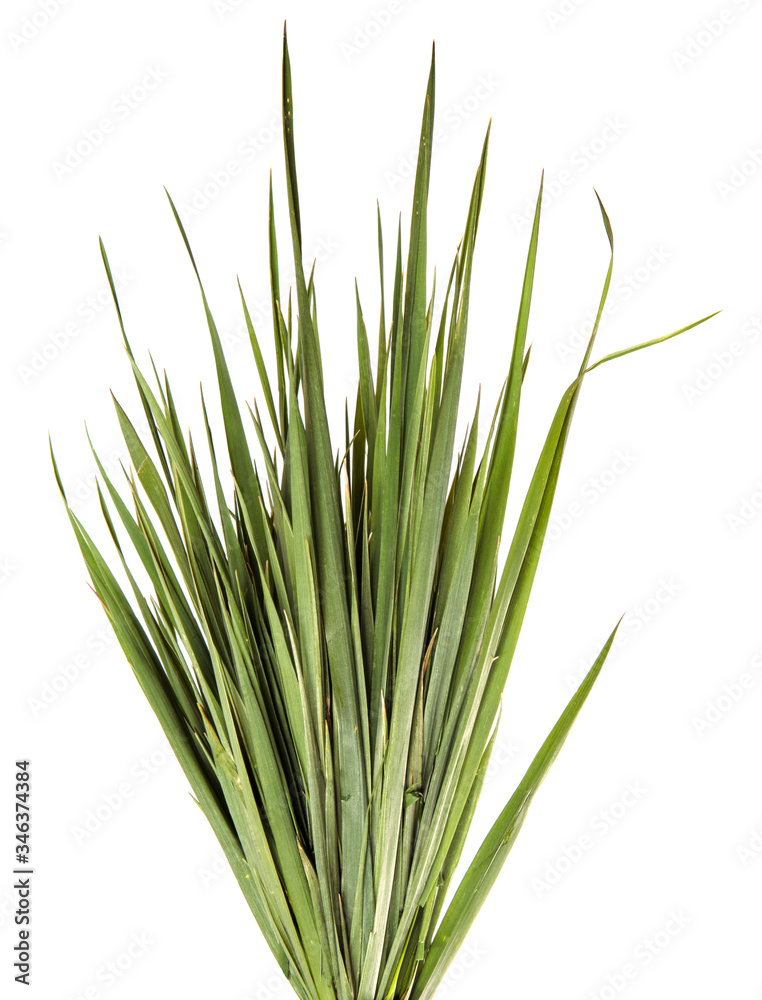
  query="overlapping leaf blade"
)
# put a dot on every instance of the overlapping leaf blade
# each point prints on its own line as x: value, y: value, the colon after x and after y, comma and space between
x: 329, y: 669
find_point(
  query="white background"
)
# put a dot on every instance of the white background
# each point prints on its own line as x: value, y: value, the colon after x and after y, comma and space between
x: 680, y: 172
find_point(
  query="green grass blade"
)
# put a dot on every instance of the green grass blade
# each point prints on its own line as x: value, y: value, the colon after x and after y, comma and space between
x: 329, y: 547
x: 490, y: 857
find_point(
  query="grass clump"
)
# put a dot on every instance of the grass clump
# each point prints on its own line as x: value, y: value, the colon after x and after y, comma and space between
x: 328, y: 664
